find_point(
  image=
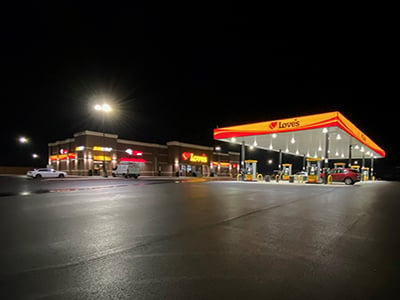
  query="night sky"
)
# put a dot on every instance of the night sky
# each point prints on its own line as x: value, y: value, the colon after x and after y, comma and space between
x: 177, y: 72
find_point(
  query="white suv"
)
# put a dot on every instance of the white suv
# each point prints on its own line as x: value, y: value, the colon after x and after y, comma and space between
x: 45, y: 173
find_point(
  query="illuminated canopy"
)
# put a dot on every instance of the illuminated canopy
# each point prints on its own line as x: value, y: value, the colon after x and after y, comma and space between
x: 306, y: 136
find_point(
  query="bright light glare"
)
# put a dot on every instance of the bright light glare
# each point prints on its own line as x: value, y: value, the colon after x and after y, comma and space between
x: 23, y: 140
x: 104, y: 107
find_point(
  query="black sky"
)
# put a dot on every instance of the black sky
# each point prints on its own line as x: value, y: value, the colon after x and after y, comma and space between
x: 176, y: 72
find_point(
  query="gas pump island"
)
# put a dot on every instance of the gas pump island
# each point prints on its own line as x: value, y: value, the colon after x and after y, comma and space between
x: 250, y: 173
x: 314, y: 170
x: 286, y: 171
x: 317, y: 138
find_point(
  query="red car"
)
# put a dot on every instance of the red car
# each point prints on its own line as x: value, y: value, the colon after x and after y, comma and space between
x: 346, y: 175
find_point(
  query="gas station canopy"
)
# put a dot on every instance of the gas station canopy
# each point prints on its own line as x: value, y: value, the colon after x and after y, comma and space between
x: 327, y: 135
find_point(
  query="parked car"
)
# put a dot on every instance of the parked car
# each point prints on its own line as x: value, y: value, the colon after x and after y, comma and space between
x: 127, y: 169
x: 45, y: 173
x: 346, y: 175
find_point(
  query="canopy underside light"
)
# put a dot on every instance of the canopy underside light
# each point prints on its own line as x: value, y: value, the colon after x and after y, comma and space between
x: 305, y: 136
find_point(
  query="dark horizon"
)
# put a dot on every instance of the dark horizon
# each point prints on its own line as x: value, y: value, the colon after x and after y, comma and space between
x: 176, y: 76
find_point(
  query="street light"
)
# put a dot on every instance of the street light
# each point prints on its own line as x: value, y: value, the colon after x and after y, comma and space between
x: 218, y: 149
x: 104, y: 108
x: 23, y: 140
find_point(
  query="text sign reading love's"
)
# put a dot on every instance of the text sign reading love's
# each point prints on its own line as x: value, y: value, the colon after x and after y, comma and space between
x: 190, y: 156
x: 291, y: 124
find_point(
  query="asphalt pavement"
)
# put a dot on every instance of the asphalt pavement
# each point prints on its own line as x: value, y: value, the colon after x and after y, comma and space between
x: 198, y: 239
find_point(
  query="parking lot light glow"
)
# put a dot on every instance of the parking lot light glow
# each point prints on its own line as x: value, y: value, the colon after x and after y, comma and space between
x: 103, y: 107
x: 23, y: 140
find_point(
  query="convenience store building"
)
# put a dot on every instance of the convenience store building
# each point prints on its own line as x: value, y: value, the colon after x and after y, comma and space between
x: 86, y: 151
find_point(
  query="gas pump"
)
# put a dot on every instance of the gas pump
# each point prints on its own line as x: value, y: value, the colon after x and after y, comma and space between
x: 250, y: 170
x: 313, y: 170
x: 364, y: 174
x: 286, y: 171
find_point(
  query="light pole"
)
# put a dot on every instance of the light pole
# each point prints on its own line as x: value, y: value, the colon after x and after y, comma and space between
x: 104, y: 108
x: 25, y: 144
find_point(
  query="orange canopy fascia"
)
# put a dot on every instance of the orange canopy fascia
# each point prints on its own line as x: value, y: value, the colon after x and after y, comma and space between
x: 330, y: 119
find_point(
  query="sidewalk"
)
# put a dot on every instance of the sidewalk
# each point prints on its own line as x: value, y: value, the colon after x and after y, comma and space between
x: 77, y: 177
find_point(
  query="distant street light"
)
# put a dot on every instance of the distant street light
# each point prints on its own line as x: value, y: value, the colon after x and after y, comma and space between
x: 23, y: 140
x: 104, y: 108
x: 34, y: 155
x: 218, y: 169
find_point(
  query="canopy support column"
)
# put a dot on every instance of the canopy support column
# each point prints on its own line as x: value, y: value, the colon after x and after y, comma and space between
x: 243, y: 150
x: 326, y: 165
x: 350, y: 152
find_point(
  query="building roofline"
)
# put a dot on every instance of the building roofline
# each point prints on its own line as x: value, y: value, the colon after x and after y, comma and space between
x: 69, y: 140
x: 96, y: 133
x: 176, y: 143
x: 141, y: 143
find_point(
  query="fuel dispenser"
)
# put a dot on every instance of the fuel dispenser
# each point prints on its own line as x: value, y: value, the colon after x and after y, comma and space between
x: 364, y: 174
x: 313, y: 170
x: 250, y: 170
x: 286, y: 171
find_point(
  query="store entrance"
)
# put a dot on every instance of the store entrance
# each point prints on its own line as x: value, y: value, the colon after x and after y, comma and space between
x: 193, y: 170
x: 97, y: 167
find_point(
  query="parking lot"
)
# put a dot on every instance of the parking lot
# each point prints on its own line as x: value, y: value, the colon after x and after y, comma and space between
x: 197, y: 239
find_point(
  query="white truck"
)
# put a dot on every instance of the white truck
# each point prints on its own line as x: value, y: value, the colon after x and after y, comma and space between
x: 127, y: 169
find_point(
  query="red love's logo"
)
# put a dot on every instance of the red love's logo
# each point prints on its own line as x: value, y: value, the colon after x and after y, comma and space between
x: 185, y: 155
x: 272, y: 125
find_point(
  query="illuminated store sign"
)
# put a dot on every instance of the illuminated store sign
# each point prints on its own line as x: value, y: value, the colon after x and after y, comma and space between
x: 104, y: 149
x: 136, y: 160
x: 101, y: 158
x: 222, y: 164
x: 134, y: 152
x: 63, y: 156
x: 190, y: 156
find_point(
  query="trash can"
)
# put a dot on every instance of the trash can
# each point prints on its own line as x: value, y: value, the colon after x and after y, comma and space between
x: 267, y: 178
x: 291, y: 178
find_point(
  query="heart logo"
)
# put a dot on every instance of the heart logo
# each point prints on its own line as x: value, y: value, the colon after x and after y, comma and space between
x: 272, y: 125
x: 185, y: 155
